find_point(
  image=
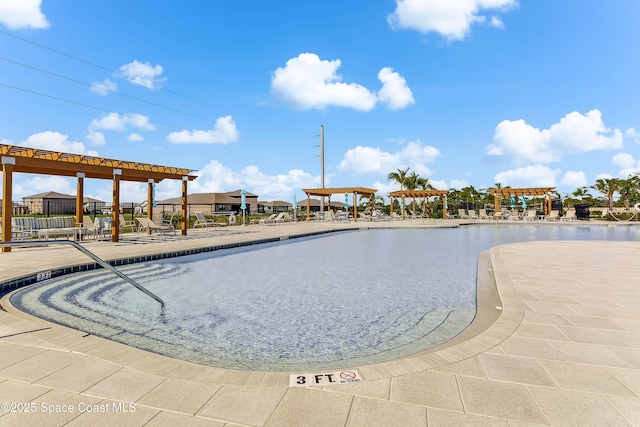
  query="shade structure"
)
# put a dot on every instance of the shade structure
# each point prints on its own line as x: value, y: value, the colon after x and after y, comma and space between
x: 545, y: 192
x: 323, y: 192
x: 419, y: 194
x: 40, y: 161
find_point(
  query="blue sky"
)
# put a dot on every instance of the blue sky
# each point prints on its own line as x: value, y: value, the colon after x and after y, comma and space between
x: 464, y: 92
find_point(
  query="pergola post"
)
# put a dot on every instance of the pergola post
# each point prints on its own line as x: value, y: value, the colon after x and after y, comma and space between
x: 150, y: 200
x: 308, y: 208
x: 496, y: 203
x: 403, y: 212
x: 115, y: 206
x: 185, y: 220
x: 80, y: 197
x: 329, y: 203
x: 371, y: 197
x: 355, y: 207
x: 444, y: 206
x: 7, y: 199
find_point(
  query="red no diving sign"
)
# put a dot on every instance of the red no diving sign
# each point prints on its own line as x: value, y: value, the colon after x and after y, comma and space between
x: 324, y: 378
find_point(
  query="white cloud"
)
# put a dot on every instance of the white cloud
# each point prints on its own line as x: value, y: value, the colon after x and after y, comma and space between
x: 574, y: 179
x: 604, y: 176
x: 395, y: 92
x: 624, y: 160
x: 215, y: 177
x: 496, y: 22
x: 104, y: 88
x: 451, y: 19
x: 135, y: 137
x: 223, y: 132
x: 55, y: 141
x: 633, y: 134
x: 574, y: 133
x: 629, y: 165
x: 439, y: 184
x: 120, y: 122
x: 307, y: 82
x: 362, y: 160
x: 17, y: 14
x: 43, y: 183
x: 95, y: 138
x: 459, y: 183
x: 529, y: 176
x: 143, y: 74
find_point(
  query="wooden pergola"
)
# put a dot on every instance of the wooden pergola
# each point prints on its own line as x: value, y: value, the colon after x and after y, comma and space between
x: 545, y: 192
x: 38, y: 161
x: 419, y: 194
x: 327, y: 192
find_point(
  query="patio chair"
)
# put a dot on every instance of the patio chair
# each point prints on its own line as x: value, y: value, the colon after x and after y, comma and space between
x: 462, y: 214
x: 127, y: 224
x: 202, y: 221
x: 267, y: 220
x: 149, y: 226
x: 553, y: 216
x: 570, y: 216
x: 472, y: 215
x: 483, y: 214
x: 531, y: 215
x: 87, y: 227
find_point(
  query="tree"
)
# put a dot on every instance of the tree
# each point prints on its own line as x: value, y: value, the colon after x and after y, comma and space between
x: 609, y: 187
x: 399, y: 177
x: 628, y: 189
x: 581, y: 193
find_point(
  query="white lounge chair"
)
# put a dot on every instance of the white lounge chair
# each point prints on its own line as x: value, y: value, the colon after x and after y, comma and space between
x: 570, y: 216
x: 483, y: 214
x: 267, y: 220
x: 127, y: 224
x: 472, y: 215
x: 553, y: 216
x: 202, y: 221
x: 531, y: 215
x: 149, y: 226
x: 462, y: 214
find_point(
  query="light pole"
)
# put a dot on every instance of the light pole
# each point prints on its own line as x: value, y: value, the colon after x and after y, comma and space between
x: 322, y: 166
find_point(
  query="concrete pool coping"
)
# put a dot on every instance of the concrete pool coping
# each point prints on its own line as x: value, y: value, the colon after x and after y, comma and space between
x: 448, y: 384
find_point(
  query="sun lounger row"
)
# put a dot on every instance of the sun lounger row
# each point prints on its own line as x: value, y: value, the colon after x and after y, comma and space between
x: 279, y: 218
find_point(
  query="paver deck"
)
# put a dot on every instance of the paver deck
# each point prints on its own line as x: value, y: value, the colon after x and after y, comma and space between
x: 563, y: 351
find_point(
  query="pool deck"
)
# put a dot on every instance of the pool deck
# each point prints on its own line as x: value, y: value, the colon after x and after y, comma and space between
x: 564, y: 351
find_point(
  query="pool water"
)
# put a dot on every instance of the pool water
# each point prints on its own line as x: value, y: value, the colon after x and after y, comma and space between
x: 340, y: 300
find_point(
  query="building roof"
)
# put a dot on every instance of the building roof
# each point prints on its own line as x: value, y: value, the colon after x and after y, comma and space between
x: 209, y: 198
x: 50, y: 195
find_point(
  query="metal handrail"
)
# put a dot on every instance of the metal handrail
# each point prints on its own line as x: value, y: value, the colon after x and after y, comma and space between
x: 91, y: 255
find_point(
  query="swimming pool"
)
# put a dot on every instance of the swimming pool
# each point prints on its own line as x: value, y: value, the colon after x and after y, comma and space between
x: 346, y: 299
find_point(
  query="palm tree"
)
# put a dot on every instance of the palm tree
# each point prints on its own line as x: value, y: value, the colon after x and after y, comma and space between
x: 608, y: 187
x: 411, y: 183
x: 423, y: 184
x: 582, y: 193
x: 629, y: 188
x: 399, y: 177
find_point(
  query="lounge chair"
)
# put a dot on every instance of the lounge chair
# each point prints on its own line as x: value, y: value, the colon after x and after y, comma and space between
x: 472, y: 215
x: 483, y: 214
x: 570, y: 216
x: 267, y: 220
x: 149, y: 226
x: 202, y: 221
x: 127, y: 224
x: 88, y: 228
x: 553, y: 216
x: 531, y: 215
x: 462, y: 214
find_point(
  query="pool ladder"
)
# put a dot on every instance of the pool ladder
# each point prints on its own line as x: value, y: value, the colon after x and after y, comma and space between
x: 91, y: 255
